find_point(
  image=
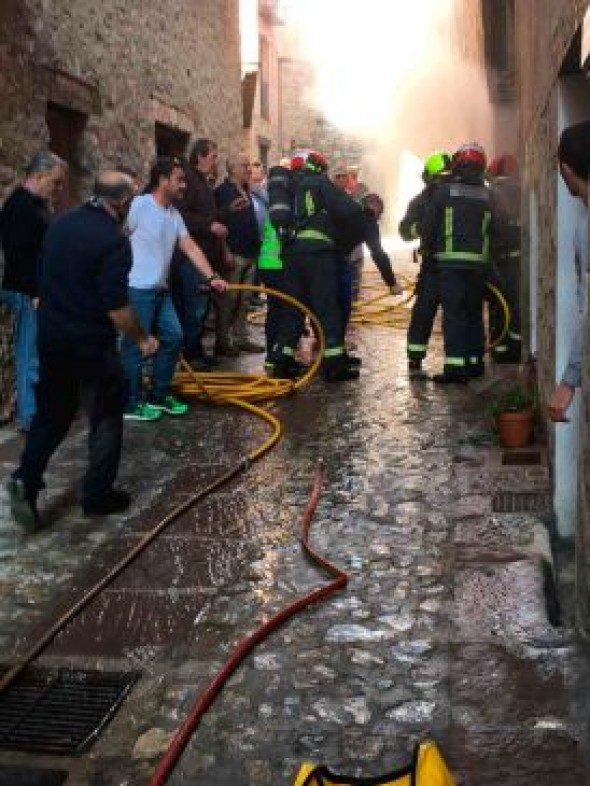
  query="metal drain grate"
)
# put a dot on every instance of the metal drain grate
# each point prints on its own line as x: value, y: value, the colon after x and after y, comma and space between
x: 522, y: 502
x: 523, y: 458
x: 24, y: 776
x: 61, y: 710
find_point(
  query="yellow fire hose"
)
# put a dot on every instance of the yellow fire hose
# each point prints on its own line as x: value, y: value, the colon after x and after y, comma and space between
x: 387, y: 310
x: 245, y: 390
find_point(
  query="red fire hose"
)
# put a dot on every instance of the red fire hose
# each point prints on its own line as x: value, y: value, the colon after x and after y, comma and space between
x: 204, y: 701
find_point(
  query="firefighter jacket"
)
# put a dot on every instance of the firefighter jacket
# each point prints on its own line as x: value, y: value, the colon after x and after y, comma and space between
x: 461, y: 222
x: 410, y: 227
x: 325, y: 216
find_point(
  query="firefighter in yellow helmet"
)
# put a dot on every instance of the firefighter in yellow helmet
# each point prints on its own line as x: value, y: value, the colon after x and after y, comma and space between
x: 436, y: 168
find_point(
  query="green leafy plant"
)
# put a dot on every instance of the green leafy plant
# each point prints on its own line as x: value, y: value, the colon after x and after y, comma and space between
x: 513, y: 400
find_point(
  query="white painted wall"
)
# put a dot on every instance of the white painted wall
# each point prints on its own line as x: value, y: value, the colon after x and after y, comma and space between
x: 573, y: 106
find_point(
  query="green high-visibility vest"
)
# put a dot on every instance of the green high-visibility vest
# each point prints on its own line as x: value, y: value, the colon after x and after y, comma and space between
x: 270, y: 250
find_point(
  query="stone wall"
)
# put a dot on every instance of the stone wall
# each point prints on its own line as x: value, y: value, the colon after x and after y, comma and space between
x: 544, y: 32
x: 109, y: 72
x: 124, y: 66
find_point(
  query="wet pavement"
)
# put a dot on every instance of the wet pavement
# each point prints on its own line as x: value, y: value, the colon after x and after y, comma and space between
x: 442, y: 631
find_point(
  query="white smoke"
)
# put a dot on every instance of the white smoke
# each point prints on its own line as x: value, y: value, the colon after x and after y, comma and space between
x: 400, y: 75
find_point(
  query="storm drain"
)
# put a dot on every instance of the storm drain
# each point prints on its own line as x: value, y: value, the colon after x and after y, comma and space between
x: 24, y: 776
x: 60, y: 711
x: 523, y: 458
x: 522, y: 502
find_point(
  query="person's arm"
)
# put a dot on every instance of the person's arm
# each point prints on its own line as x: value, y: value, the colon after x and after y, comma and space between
x: 112, y: 283
x: 188, y: 247
x: 378, y: 254
x: 125, y: 321
x: 563, y: 394
x: 201, y: 221
x: 411, y: 224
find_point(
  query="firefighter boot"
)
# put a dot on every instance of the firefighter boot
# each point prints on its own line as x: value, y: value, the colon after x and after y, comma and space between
x: 338, y: 369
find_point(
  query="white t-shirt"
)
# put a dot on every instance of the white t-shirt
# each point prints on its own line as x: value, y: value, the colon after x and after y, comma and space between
x: 154, y: 233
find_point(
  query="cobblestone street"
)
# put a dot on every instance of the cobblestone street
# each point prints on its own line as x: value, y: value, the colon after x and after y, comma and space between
x: 443, y: 629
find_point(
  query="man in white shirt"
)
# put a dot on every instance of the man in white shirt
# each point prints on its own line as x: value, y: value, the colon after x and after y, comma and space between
x: 156, y: 228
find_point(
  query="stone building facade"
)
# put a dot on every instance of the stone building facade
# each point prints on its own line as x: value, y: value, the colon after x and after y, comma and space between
x: 552, y: 94
x: 116, y: 81
x: 110, y: 84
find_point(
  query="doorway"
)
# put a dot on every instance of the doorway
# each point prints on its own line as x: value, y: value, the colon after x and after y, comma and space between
x: 66, y: 139
x: 170, y: 141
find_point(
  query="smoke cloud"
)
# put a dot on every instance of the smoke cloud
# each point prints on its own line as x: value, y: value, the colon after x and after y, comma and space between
x: 406, y: 78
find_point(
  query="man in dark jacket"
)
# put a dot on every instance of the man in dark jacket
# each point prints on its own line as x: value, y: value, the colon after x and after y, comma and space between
x: 460, y: 224
x: 85, y: 264
x: 199, y: 211
x: 23, y: 222
x: 236, y: 210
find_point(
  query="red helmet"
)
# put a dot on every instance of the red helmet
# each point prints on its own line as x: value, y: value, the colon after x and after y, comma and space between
x: 470, y: 154
x: 503, y: 166
x: 309, y: 159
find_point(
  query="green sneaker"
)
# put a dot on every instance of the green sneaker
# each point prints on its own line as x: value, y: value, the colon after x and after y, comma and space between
x: 169, y: 405
x: 142, y: 411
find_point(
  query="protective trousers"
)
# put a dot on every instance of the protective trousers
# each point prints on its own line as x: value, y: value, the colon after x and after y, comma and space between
x: 424, y: 310
x: 276, y: 310
x: 314, y: 278
x: 461, y: 296
x: 505, y: 275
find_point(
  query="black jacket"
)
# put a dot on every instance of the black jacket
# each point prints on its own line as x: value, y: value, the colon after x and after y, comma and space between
x: 410, y: 227
x: 326, y: 216
x: 23, y: 223
x: 461, y: 222
x: 85, y: 266
x: 378, y: 254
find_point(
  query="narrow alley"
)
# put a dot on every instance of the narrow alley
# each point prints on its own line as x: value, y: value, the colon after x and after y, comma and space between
x: 443, y: 629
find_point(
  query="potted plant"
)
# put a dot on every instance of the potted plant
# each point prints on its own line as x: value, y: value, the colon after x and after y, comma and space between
x: 513, y: 412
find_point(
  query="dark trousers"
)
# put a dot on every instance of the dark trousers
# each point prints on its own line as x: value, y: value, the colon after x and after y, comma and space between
x: 67, y: 377
x: 346, y: 279
x: 505, y: 276
x: 314, y: 278
x: 424, y: 310
x: 190, y: 303
x: 276, y: 310
x: 461, y: 296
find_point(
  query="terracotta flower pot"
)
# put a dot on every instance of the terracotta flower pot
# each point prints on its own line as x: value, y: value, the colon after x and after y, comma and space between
x: 515, y: 428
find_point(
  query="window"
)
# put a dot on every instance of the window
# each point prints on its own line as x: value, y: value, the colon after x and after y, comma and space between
x: 66, y: 139
x: 170, y: 141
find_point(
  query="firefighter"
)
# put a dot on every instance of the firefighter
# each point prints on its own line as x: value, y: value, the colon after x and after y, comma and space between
x: 270, y: 270
x: 436, y: 168
x: 311, y: 266
x: 505, y: 275
x: 459, y: 225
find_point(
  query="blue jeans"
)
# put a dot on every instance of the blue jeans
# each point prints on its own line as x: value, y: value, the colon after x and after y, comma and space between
x: 191, y: 305
x: 25, y: 352
x: 157, y: 316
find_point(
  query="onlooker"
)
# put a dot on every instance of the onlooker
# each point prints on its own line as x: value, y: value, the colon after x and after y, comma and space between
x: 574, y: 165
x: 83, y: 301
x: 23, y: 222
x: 259, y: 194
x: 156, y: 229
x: 237, y: 211
x: 199, y: 212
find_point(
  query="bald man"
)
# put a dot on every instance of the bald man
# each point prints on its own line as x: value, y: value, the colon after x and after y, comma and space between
x: 85, y: 265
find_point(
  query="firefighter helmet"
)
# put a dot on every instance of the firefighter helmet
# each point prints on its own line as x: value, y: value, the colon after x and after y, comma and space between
x: 471, y: 153
x: 309, y: 159
x: 436, y: 164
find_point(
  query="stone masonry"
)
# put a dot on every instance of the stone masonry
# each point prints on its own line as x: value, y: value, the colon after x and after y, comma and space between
x: 544, y: 32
